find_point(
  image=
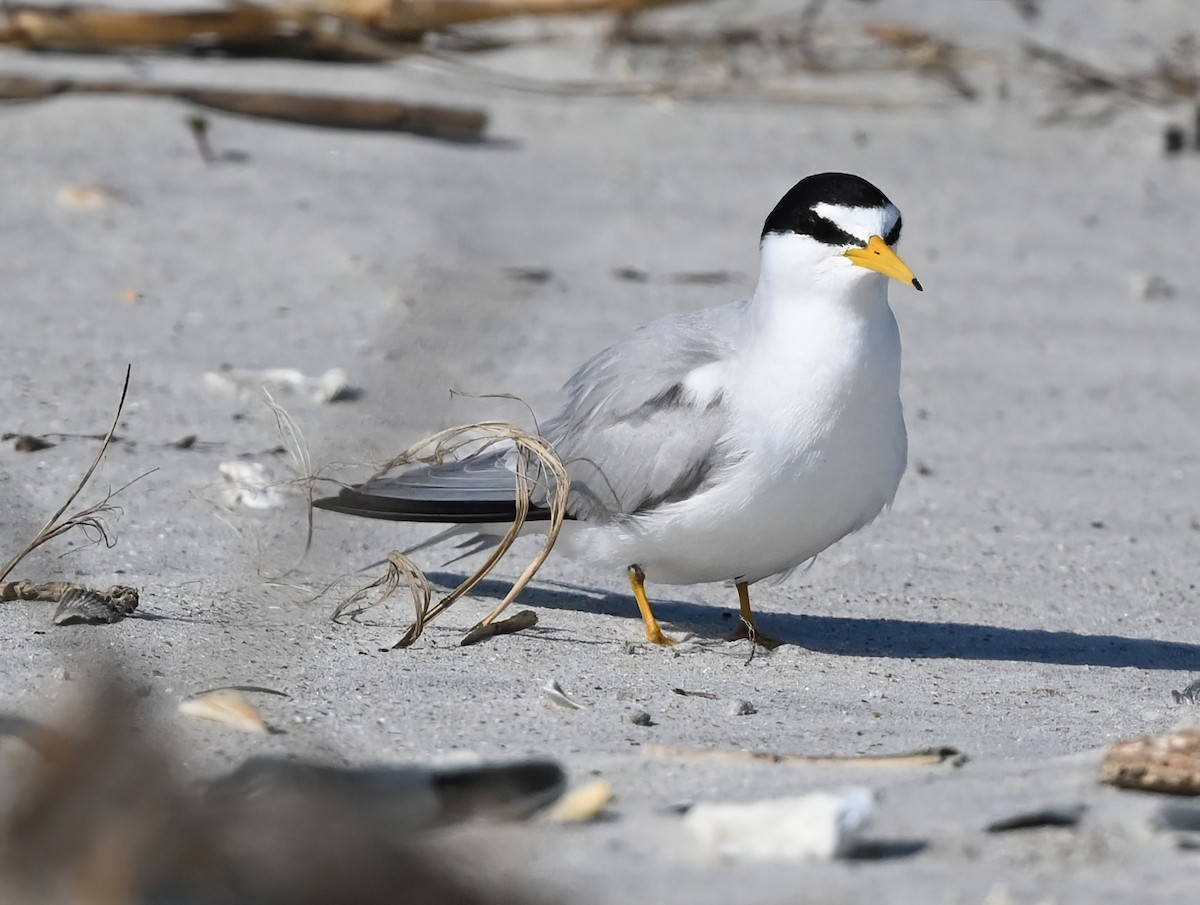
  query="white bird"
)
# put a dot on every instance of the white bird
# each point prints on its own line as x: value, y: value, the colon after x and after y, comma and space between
x: 729, y: 444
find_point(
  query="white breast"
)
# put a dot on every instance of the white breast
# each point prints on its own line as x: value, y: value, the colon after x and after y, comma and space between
x: 817, y: 420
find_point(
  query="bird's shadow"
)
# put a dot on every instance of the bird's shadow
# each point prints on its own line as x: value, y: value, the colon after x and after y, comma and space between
x: 860, y: 637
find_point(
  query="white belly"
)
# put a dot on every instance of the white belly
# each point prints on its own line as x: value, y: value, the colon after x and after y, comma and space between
x: 758, y: 523
x: 822, y: 450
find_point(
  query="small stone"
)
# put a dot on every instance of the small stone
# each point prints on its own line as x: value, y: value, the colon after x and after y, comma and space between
x: 640, y: 718
x: 741, y: 708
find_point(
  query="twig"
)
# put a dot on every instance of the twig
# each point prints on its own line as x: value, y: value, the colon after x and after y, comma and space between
x: 921, y: 758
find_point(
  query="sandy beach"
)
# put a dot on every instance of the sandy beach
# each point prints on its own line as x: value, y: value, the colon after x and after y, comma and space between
x: 1029, y: 599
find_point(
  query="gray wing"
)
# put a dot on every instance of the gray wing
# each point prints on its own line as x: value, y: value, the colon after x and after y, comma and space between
x: 629, y: 434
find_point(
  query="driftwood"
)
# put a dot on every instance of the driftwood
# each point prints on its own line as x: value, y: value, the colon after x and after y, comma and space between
x: 453, y: 123
x: 351, y: 29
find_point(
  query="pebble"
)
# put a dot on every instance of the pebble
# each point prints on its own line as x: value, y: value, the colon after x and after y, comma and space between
x: 741, y: 708
x: 640, y: 718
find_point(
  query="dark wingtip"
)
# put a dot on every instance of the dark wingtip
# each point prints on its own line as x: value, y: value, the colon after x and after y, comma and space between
x: 917, y: 285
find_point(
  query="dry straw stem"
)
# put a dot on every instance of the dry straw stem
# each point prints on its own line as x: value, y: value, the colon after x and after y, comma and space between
x: 88, y: 520
x: 535, y: 457
x: 339, y: 29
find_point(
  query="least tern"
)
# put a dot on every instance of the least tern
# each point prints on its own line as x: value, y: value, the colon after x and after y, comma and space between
x: 729, y: 444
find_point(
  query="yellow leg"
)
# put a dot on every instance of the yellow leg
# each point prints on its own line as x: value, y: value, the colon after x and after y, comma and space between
x: 747, y: 628
x: 654, y: 634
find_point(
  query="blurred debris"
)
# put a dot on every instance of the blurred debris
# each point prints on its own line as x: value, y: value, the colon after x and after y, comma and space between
x: 1029, y: 9
x: 77, y: 604
x: 1156, y: 763
x: 361, y: 30
x: 251, y: 484
x: 1190, y: 695
x: 86, y: 196
x: 331, y: 386
x: 640, y: 718
x: 1064, y: 815
x: 328, y: 111
x: 926, y: 54
x: 817, y: 826
x: 756, y: 55
x: 536, y: 276
x: 923, y: 758
x: 104, y: 820
x: 226, y: 706
x: 1092, y: 94
x: 583, y: 804
x: 741, y: 708
x: 556, y: 696
x: 1150, y: 287
x: 28, y: 443
x: 198, y: 125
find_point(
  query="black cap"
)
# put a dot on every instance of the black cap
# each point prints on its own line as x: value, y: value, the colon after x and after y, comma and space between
x: 794, y: 213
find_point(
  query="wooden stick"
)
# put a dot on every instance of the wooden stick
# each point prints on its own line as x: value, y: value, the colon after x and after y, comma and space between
x: 450, y: 123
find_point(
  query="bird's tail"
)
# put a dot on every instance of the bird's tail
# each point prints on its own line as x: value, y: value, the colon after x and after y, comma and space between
x: 476, y: 491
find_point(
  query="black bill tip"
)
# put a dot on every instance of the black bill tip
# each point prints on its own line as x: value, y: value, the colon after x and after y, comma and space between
x: 917, y: 285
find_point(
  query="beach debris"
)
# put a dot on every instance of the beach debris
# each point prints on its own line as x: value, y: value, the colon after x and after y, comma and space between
x: 227, y: 706
x: 640, y: 718
x: 1093, y: 94
x: 323, y: 110
x: 926, y: 54
x: 88, y: 196
x: 1150, y: 287
x: 559, y: 698
x: 1190, y: 695
x: 741, y: 708
x: 104, y: 815
x: 515, y: 623
x: 683, y: 692
x: 331, y: 386
x: 250, y: 484
x: 817, y: 826
x: 582, y: 804
x: 363, y: 30
x: 84, y: 606
x: 1054, y: 815
x: 1155, y: 763
x: 198, y: 126
x: 77, y: 604
x: 923, y: 758
x: 27, y: 443
x: 1178, y: 816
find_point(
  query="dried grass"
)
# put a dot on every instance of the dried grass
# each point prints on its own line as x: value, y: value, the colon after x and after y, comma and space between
x: 537, y: 466
x: 89, y: 520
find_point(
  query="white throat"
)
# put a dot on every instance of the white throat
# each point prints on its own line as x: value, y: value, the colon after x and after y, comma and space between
x: 796, y: 269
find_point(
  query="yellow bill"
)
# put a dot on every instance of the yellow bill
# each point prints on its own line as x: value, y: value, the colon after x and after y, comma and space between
x: 878, y: 256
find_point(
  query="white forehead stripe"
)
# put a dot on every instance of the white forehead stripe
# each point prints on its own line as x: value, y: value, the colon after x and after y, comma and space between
x: 860, y: 222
